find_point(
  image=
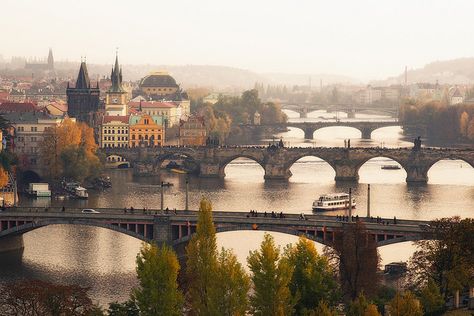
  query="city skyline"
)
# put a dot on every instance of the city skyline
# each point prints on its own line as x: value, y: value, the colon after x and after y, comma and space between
x: 362, y: 40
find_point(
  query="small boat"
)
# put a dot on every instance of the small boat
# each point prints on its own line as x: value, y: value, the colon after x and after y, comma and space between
x: 181, y: 171
x: 332, y: 202
x: 167, y: 184
x: 390, y: 167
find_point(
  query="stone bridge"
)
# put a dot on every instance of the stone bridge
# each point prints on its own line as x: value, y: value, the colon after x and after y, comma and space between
x: 276, y: 162
x: 365, y: 127
x: 175, y: 228
x: 304, y: 108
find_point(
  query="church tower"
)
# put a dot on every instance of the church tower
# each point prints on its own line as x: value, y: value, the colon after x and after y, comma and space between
x: 115, y: 100
x: 50, y: 60
x: 83, y: 100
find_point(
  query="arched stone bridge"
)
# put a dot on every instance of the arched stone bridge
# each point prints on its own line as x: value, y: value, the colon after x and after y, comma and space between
x: 176, y: 228
x: 277, y: 162
x: 365, y: 127
x: 350, y: 109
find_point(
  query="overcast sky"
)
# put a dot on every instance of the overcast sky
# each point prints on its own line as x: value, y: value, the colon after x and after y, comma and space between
x: 366, y: 39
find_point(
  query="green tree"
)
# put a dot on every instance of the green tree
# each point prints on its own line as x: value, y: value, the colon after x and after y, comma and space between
x: 157, y: 272
x: 431, y: 299
x: 128, y: 308
x: 202, y: 263
x: 405, y: 305
x: 230, y: 294
x: 271, y: 276
x: 313, y: 280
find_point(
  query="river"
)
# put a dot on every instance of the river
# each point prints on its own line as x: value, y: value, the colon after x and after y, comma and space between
x: 105, y: 260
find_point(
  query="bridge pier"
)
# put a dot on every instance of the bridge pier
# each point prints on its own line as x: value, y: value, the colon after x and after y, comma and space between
x: 162, y: 233
x: 366, y: 133
x: 211, y: 170
x: 276, y: 172
x: 346, y: 173
x: 416, y: 174
x: 11, y: 243
x: 308, y: 133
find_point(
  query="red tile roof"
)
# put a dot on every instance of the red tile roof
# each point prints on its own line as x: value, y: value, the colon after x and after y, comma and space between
x: 8, y: 107
x: 152, y: 104
x: 111, y: 118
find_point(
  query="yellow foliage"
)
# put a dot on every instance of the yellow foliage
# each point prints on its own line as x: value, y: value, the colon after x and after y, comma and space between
x: 3, y: 177
x: 463, y: 123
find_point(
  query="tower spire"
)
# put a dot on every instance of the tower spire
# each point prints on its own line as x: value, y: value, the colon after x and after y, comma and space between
x: 116, y: 76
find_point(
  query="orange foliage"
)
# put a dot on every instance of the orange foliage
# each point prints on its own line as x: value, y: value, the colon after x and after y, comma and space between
x: 3, y: 177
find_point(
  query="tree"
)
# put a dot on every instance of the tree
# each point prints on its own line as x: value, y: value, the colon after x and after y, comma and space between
x: 128, y: 308
x: 37, y: 298
x: 463, y: 123
x: 202, y: 264
x: 405, y: 305
x: 3, y: 177
x: 230, y: 294
x: 323, y: 310
x: 157, y: 272
x: 271, y: 276
x: 431, y: 299
x: 361, y: 307
x: 68, y: 146
x: 355, y: 256
x: 447, y: 258
x: 313, y: 280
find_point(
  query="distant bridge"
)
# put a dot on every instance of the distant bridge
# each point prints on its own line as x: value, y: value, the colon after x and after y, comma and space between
x: 351, y: 109
x: 176, y: 228
x: 366, y: 127
x: 276, y: 162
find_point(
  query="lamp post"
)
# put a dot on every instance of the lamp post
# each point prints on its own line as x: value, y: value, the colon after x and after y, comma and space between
x: 350, y: 204
x: 187, y: 193
x: 162, y: 196
x: 368, y: 200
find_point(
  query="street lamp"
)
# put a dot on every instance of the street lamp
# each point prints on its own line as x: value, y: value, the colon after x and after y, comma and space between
x: 162, y: 196
x: 187, y: 193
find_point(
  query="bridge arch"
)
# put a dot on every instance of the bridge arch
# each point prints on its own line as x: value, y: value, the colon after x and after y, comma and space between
x: 116, y: 161
x: 30, y: 226
x: 466, y: 160
x: 158, y: 161
x: 346, y: 134
x: 393, y: 158
x: 295, y: 159
x: 223, y: 163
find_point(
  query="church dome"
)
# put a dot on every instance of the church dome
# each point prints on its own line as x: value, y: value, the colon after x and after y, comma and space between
x: 158, y: 79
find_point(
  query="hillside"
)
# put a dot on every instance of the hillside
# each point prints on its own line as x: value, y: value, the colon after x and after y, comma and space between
x: 456, y: 71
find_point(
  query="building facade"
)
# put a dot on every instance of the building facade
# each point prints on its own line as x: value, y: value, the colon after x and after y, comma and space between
x: 146, y: 130
x: 114, y: 132
x: 170, y: 111
x: 193, y: 132
x: 83, y: 100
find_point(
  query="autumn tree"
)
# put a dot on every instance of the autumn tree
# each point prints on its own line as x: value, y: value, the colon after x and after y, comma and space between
x: 446, y: 256
x: 271, y: 276
x: 157, y: 273
x: 354, y: 254
x: 202, y: 263
x: 313, y: 280
x: 463, y: 123
x: 361, y: 307
x: 323, y: 309
x: 405, y: 304
x: 69, y: 150
x: 128, y: 308
x: 34, y: 297
x: 230, y: 294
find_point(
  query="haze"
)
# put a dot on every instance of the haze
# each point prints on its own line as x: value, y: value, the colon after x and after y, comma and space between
x: 362, y: 39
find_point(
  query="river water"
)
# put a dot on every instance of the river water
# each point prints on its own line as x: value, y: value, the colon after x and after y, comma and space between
x: 105, y: 260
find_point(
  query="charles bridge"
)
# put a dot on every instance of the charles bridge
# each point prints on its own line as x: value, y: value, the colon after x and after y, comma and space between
x: 175, y: 227
x: 277, y: 161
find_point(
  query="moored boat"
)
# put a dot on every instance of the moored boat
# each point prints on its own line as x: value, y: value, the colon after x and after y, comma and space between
x: 332, y: 202
x: 390, y: 167
x: 175, y: 170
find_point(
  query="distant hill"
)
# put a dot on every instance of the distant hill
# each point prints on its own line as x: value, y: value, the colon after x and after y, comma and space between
x: 304, y: 79
x: 456, y: 71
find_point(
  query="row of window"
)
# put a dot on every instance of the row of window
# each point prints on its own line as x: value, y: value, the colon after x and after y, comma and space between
x: 30, y: 139
x: 115, y: 138
x: 111, y: 131
x: 32, y: 129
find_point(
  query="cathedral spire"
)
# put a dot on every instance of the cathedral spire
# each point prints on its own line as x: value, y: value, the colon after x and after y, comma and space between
x: 50, y: 59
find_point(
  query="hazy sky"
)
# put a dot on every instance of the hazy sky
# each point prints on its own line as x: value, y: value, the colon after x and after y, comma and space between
x: 366, y: 39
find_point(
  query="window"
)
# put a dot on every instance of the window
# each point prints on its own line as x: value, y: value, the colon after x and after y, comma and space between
x: 34, y: 128
x: 133, y: 137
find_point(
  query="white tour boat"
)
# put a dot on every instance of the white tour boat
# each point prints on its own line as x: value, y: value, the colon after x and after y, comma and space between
x: 331, y: 202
